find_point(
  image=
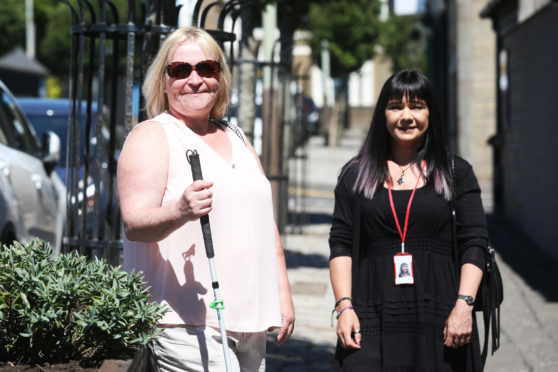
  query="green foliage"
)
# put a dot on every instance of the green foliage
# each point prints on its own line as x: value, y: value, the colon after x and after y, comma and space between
x: 351, y: 27
x: 56, y: 309
x: 53, y: 20
x: 54, y: 39
x: 401, y: 42
x: 12, y: 25
x: 54, y: 87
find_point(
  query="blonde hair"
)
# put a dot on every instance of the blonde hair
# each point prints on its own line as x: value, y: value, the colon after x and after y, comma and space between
x: 153, y: 86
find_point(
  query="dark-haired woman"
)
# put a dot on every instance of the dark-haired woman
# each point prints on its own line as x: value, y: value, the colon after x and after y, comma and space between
x: 404, y: 270
x: 392, y: 204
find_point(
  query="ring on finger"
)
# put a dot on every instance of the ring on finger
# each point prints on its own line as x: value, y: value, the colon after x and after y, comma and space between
x: 356, y: 331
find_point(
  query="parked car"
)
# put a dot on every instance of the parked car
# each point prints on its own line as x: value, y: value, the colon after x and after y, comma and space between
x: 30, y: 190
x: 53, y: 115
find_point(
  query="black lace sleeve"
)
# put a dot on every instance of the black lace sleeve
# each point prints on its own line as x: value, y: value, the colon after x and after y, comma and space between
x: 341, y: 233
x: 472, y: 231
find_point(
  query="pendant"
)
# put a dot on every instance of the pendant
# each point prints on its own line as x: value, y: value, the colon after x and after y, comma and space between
x: 400, y: 179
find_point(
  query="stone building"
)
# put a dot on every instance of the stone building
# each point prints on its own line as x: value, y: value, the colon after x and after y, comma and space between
x: 525, y: 146
x: 461, y: 63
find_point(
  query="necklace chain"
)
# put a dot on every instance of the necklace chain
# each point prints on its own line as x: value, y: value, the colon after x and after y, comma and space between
x: 400, y: 180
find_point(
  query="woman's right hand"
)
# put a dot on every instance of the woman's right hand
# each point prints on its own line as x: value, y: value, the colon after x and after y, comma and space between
x: 347, y: 325
x: 196, y: 200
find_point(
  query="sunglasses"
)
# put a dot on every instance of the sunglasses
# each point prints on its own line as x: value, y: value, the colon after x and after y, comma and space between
x: 206, y: 69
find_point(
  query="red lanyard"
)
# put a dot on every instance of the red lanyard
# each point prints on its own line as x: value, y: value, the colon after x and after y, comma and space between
x: 404, y: 233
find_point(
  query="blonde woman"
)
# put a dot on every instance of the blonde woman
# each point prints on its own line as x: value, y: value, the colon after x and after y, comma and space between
x: 187, y: 93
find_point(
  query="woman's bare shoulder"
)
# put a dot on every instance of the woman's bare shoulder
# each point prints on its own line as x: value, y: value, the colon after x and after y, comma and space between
x: 147, y: 139
x: 144, y: 133
x: 147, y: 127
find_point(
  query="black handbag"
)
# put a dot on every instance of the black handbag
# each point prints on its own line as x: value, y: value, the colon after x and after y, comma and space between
x: 490, y: 294
x: 491, y: 290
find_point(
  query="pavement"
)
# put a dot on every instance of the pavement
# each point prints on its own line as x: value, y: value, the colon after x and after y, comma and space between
x: 305, y: 242
x: 529, y: 313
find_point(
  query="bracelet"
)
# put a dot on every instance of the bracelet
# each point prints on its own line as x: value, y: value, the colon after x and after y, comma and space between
x: 343, y: 309
x: 339, y: 313
x: 341, y: 299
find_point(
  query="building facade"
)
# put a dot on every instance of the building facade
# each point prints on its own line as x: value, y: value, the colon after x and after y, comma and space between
x: 461, y: 58
x: 525, y: 144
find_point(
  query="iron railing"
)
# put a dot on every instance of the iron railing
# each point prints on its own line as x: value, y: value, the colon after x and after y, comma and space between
x: 108, y: 60
x: 109, y: 56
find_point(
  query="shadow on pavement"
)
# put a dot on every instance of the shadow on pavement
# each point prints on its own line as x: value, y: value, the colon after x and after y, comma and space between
x: 298, y: 354
x: 296, y: 259
x: 524, y: 257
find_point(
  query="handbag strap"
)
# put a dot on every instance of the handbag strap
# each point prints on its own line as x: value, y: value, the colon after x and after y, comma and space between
x: 236, y: 130
x: 495, y: 294
x: 454, y: 216
x: 491, y: 307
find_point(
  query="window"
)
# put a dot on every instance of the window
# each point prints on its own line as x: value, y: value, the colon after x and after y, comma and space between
x: 16, y: 127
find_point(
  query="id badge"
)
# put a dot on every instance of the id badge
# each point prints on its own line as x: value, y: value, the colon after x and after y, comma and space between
x: 403, y: 268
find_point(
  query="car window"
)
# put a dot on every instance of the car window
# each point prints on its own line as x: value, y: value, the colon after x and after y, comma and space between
x: 3, y: 138
x: 22, y: 138
x: 3, y: 119
x: 55, y: 123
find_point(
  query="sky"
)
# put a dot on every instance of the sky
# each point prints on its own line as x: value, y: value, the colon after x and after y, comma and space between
x: 405, y: 7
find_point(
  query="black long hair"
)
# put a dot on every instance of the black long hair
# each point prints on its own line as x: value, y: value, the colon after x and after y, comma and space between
x: 371, y: 160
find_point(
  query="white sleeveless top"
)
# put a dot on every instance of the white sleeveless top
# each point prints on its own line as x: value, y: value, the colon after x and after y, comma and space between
x: 243, y: 233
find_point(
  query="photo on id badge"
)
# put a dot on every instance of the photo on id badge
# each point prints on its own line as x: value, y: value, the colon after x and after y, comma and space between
x: 403, y: 268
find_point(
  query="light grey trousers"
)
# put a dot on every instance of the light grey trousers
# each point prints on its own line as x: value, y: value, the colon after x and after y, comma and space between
x: 199, y: 348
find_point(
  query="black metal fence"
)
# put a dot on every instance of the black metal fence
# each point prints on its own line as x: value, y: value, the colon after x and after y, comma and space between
x: 110, y: 54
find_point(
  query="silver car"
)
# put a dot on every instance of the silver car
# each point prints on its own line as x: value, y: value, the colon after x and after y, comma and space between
x: 31, y: 194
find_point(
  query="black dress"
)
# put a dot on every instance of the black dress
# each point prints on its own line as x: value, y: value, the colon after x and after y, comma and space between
x: 402, y: 325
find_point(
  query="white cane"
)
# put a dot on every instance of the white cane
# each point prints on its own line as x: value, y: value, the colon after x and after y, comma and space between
x: 194, y: 160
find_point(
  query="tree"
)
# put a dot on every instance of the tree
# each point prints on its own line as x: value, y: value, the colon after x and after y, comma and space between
x: 53, y: 22
x: 401, y: 42
x: 54, y: 37
x: 12, y: 25
x: 352, y: 29
x: 53, y: 34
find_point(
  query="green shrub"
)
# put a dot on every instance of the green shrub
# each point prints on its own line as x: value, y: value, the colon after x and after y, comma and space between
x: 66, y: 307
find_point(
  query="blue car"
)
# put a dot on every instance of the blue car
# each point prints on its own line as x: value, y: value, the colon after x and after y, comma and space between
x: 53, y: 115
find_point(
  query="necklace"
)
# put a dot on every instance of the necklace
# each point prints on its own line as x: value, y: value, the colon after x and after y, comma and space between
x: 400, y: 179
